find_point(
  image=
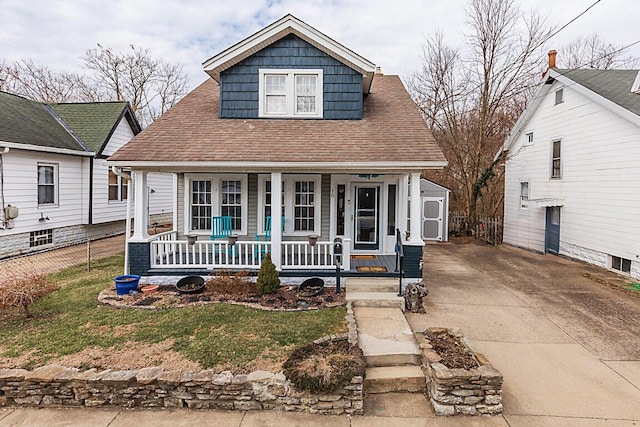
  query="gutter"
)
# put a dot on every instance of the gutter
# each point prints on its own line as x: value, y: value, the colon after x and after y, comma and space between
x: 32, y: 147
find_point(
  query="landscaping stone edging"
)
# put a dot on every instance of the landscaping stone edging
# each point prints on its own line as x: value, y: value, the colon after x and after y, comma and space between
x: 55, y: 385
x: 475, y: 391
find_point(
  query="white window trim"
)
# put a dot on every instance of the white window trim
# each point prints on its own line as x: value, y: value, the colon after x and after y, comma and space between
x: 121, y: 183
x: 551, y: 176
x: 289, y: 200
x: 216, y: 199
x: 522, y: 205
x: 528, y: 142
x: 56, y: 182
x: 559, y: 91
x: 290, y: 93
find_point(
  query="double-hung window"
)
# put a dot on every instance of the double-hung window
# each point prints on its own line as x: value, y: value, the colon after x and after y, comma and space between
x: 524, y: 195
x: 556, y: 165
x: 290, y: 93
x: 300, y: 203
x: 216, y: 195
x: 117, y: 187
x: 47, y: 178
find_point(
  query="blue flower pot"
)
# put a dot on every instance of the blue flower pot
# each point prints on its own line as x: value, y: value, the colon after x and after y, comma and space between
x: 126, y: 283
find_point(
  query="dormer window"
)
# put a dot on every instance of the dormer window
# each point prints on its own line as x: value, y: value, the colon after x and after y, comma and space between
x: 290, y: 93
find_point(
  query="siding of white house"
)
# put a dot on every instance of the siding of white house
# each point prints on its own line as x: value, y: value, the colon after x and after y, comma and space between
x: 21, y: 190
x: 600, y: 153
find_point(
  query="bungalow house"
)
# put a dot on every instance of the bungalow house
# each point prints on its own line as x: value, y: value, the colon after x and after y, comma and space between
x: 55, y: 188
x: 291, y: 129
x: 572, y: 175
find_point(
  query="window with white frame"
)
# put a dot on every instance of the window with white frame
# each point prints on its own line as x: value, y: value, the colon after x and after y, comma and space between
x: 304, y: 206
x: 524, y: 195
x: 300, y: 203
x: 621, y: 264
x: 290, y: 93
x: 231, y: 202
x: 559, y: 96
x: 117, y: 187
x: 528, y: 139
x: 201, y: 208
x: 556, y: 165
x: 216, y: 195
x: 47, y: 178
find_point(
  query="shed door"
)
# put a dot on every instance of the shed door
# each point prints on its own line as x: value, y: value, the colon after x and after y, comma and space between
x: 432, y: 218
x: 552, y: 230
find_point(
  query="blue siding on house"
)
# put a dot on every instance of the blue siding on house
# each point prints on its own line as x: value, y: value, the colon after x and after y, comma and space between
x: 342, y: 91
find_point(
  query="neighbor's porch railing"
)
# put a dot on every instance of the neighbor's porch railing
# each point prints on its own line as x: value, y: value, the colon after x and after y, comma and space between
x: 176, y: 254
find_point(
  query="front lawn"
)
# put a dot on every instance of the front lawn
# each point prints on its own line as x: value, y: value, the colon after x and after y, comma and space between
x: 69, y: 327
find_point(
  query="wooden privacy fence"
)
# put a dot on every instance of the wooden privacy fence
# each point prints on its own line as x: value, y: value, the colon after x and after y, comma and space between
x: 488, y: 229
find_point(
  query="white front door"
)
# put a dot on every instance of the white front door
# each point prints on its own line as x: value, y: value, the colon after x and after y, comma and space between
x: 432, y: 217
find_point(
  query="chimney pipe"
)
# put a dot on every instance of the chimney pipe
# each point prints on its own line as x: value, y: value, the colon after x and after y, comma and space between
x: 552, y: 58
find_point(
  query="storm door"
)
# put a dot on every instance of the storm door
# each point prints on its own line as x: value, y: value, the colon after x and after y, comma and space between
x: 367, y: 218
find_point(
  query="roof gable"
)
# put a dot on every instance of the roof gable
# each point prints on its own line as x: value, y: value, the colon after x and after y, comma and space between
x: 95, y: 122
x: 289, y: 24
x: 611, y: 89
x: 33, y: 125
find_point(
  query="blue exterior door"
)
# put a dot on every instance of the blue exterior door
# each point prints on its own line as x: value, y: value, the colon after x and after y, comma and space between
x: 552, y: 230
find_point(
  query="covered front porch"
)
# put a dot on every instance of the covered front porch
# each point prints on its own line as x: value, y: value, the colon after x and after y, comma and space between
x: 368, y: 214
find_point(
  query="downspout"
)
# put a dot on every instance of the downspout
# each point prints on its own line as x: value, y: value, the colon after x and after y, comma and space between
x: 126, y: 176
x: 3, y: 223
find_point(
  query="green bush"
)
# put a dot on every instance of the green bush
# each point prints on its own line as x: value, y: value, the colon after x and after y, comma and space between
x: 268, y: 277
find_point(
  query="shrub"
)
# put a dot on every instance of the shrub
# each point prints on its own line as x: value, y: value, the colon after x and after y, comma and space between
x: 268, y: 277
x: 23, y: 289
x: 324, y: 367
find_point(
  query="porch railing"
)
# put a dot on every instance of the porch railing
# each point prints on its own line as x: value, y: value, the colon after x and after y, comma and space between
x: 176, y: 254
x: 207, y: 254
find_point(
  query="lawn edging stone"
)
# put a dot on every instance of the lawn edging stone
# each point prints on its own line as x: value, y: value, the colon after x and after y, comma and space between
x: 54, y: 385
x: 475, y: 391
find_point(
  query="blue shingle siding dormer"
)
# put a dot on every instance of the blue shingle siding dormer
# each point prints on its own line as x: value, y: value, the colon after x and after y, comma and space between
x: 342, y: 86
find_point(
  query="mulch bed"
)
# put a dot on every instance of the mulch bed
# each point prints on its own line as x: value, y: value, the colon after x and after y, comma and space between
x: 454, y: 354
x: 286, y: 299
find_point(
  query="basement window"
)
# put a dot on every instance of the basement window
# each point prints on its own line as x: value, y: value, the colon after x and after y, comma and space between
x: 621, y: 264
x: 40, y: 238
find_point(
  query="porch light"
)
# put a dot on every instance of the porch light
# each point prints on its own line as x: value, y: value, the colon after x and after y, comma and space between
x: 313, y: 239
x: 232, y: 239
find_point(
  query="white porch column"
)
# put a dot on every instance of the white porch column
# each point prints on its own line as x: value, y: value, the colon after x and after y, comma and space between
x: 276, y: 219
x: 141, y: 219
x: 415, y: 239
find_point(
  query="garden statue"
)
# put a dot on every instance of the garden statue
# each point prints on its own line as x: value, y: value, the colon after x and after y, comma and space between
x: 413, y: 295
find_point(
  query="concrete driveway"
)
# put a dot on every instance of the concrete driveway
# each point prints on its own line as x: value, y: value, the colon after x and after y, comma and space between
x: 567, y: 345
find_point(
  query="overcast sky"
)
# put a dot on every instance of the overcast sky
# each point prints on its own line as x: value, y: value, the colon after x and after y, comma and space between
x: 389, y: 33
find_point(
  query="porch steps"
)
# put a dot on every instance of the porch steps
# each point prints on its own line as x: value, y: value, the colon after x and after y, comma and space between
x: 364, y: 284
x: 394, y: 379
x: 375, y: 299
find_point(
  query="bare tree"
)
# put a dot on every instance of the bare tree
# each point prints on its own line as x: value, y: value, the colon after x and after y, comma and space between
x: 150, y: 85
x: 472, y: 98
x: 39, y: 82
x: 594, y: 52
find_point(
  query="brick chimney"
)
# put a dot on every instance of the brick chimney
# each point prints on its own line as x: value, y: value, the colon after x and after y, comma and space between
x: 552, y: 58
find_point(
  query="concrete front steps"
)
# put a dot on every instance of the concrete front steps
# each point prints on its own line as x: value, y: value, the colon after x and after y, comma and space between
x: 390, y: 350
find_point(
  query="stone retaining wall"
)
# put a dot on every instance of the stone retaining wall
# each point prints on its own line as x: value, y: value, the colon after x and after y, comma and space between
x: 460, y: 391
x: 154, y: 387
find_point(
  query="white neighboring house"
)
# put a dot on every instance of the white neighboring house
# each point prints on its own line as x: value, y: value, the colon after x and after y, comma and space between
x: 572, y: 179
x: 52, y: 169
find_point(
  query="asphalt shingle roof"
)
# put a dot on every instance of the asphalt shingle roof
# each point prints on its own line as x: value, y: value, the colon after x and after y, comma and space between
x: 391, y: 129
x: 615, y: 85
x: 93, y: 122
x: 29, y: 122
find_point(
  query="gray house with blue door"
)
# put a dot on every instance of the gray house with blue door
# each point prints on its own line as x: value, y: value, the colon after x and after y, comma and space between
x: 300, y: 141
